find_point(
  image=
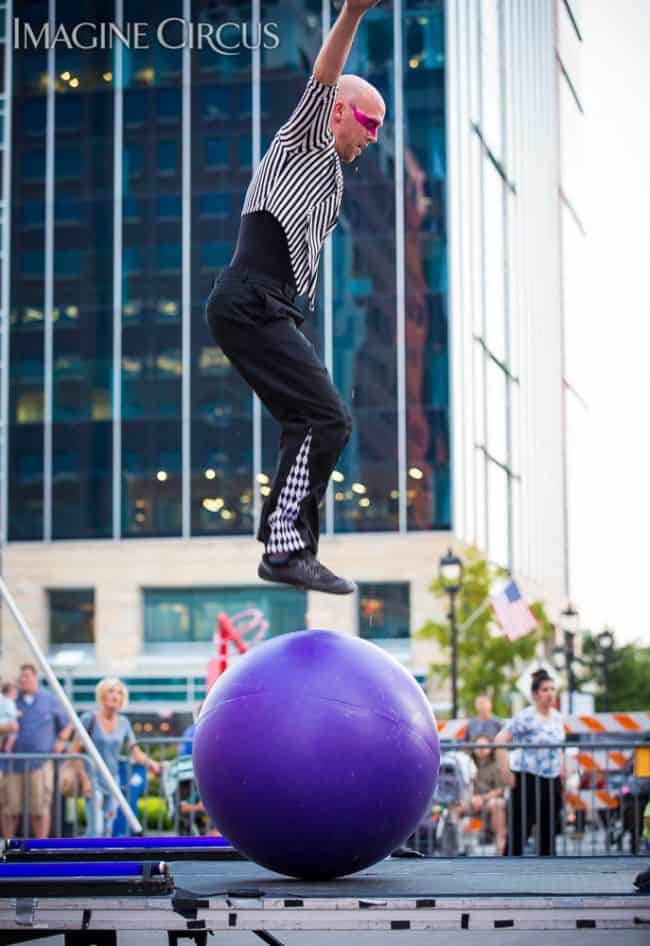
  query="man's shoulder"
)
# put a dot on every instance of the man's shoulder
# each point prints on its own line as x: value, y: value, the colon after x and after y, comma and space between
x: 48, y: 698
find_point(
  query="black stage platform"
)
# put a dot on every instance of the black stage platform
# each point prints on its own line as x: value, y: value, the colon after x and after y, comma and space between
x: 461, y: 894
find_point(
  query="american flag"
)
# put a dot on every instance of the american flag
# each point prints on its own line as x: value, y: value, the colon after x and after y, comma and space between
x: 512, y: 612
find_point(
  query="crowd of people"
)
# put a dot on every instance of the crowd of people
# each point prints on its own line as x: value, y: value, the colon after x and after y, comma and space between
x: 33, y: 722
x: 514, y: 793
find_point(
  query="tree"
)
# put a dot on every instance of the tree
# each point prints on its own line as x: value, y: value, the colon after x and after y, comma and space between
x: 628, y: 676
x: 487, y: 661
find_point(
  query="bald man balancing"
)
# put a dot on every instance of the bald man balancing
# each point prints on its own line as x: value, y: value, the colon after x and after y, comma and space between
x: 291, y: 206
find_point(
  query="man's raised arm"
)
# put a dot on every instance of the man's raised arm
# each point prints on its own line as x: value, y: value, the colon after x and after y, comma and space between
x: 309, y: 124
x: 335, y: 51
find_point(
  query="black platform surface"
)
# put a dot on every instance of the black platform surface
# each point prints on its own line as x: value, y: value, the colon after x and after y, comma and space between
x: 435, y: 877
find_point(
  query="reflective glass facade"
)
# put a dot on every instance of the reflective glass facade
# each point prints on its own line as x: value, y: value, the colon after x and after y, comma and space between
x: 187, y: 616
x: 384, y: 610
x: 576, y: 322
x: 129, y: 169
x: 503, y: 132
x: 72, y: 617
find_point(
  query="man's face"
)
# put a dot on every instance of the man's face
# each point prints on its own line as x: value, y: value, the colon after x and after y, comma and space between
x: 356, y: 125
x: 27, y: 681
x: 483, y: 706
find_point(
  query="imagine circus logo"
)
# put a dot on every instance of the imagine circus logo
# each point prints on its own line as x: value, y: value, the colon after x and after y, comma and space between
x: 227, y: 39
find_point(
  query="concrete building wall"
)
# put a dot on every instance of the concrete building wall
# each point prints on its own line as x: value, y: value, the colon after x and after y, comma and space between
x: 119, y: 571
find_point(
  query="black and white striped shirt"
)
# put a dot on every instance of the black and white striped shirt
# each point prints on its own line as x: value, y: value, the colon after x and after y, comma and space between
x: 299, y: 180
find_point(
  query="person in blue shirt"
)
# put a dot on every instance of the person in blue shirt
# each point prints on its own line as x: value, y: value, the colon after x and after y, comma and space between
x: 44, y: 728
x: 188, y: 732
x: 112, y: 733
x: 536, y: 770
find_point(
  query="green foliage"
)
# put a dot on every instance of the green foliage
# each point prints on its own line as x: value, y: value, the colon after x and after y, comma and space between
x: 152, y: 812
x: 487, y: 661
x: 628, y: 676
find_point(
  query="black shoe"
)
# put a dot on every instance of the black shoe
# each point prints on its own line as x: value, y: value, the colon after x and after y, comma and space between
x: 642, y: 881
x: 305, y: 571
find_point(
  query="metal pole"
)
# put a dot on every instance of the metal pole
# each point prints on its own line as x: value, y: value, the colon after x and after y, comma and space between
x: 606, y: 653
x: 454, y: 656
x: 569, y: 653
x: 80, y: 729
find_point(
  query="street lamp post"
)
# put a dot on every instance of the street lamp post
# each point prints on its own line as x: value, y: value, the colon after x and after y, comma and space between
x: 569, y: 630
x: 606, y: 643
x: 450, y: 572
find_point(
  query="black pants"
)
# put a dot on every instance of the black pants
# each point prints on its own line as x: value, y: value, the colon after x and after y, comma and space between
x: 533, y: 801
x: 254, y: 319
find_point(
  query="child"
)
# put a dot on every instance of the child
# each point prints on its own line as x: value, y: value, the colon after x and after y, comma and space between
x: 9, y: 714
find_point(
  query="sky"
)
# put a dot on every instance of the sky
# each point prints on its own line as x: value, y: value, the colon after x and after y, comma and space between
x: 611, y: 539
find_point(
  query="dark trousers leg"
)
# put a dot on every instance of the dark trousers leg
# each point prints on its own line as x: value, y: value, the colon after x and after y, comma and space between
x: 533, y: 801
x: 281, y: 366
x: 520, y: 813
x: 550, y: 802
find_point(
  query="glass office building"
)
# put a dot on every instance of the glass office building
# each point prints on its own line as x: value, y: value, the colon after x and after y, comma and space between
x: 129, y: 168
x: 124, y: 172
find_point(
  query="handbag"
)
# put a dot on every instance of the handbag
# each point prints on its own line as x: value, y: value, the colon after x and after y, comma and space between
x: 72, y: 772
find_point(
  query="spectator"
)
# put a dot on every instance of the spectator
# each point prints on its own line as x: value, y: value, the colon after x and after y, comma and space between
x: 44, y: 728
x: 535, y: 776
x: 194, y: 806
x: 487, y: 799
x: 110, y: 730
x: 188, y: 733
x: 484, y: 723
x: 9, y: 715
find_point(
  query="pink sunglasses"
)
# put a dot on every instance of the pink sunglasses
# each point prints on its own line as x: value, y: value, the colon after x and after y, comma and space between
x: 371, y: 124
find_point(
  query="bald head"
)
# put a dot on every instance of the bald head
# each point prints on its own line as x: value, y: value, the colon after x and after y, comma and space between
x: 358, y: 115
x: 355, y: 90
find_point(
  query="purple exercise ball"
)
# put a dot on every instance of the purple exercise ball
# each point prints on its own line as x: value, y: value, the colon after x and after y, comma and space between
x: 316, y: 755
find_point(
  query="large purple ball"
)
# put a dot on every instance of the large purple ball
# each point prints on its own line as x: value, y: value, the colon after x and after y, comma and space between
x: 316, y: 755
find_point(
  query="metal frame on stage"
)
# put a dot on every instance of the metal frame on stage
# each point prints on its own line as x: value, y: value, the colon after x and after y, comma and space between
x: 192, y: 899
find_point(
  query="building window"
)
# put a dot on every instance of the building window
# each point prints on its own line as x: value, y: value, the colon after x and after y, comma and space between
x: 168, y: 105
x: 189, y: 615
x: 33, y: 213
x: 67, y: 209
x: 170, y: 256
x: 167, y: 157
x: 67, y: 163
x: 135, y: 107
x: 215, y: 152
x: 215, y: 103
x: 33, y: 116
x: 133, y: 160
x: 215, y: 255
x: 215, y: 205
x: 33, y: 164
x: 384, y: 610
x: 68, y: 113
x: 72, y: 617
x: 169, y: 206
x: 67, y: 263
